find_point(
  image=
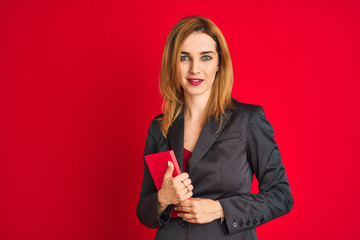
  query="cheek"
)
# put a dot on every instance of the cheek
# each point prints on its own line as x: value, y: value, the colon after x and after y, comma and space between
x: 183, y: 75
x: 211, y: 70
x: 183, y: 70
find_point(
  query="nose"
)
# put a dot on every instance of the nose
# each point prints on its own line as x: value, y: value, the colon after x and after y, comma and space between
x: 195, y: 67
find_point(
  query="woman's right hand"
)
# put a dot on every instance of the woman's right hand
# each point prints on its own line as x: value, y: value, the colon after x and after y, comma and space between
x: 174, y: 189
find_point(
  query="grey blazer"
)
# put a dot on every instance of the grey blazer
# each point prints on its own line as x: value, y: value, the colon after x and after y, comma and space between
x: 221, y: 168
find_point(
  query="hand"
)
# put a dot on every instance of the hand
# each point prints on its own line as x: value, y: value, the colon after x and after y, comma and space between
x: 200, y: 210
x: 174, y: 189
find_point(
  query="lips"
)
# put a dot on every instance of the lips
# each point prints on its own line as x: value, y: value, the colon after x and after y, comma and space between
x: 195, y: 81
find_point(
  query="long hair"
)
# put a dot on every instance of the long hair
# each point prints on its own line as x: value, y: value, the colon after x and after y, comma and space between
x: 169, y: 82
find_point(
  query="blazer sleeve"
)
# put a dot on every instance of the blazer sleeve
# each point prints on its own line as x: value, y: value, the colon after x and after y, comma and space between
x: 274, y: 198
x: 146, y: 210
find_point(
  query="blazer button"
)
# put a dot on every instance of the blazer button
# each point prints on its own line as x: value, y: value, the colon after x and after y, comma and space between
x: 184, y: 224
x: 241, y: 223
x: 235, y: 224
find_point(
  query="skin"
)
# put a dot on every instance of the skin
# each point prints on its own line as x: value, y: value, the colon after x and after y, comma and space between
x: 199, y: 59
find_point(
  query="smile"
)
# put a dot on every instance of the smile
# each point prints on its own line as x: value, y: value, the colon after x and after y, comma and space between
x: 195, y: 81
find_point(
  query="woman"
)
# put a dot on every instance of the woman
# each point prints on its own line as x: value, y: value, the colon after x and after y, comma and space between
x: 219, y: 144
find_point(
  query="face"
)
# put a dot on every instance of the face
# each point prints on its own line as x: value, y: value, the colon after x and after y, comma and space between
x: 198, y: 64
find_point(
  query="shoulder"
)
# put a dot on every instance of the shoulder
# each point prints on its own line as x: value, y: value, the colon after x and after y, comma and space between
x: 246, y: 108
x: 155, y: 122
x: 255, y: 117
x: 154, y: 128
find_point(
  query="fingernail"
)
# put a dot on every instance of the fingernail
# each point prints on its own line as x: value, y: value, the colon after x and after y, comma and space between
x: 175, y: 208
x: 168, y: 163
x: 179, y: 214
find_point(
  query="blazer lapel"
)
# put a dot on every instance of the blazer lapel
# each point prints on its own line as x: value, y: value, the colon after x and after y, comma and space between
x: 206, y: 139
x: 176, y: 138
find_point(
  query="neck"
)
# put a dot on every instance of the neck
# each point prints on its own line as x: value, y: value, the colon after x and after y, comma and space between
x: 195, y: 106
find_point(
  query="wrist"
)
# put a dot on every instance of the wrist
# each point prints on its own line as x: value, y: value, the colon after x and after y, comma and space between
x: 220, y: 212
x: 161, y: 200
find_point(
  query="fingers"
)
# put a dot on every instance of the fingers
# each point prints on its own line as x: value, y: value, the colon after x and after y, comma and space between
x: 185, y: 215
x: 169, y: 170
x: 192, y: 212
x: 188, y: 195
x: 187, y: 189
x: 183, y: 209
x: 191, y: 217
x: 177, y: 188
x: 187, y: 182
x: 182, y: 181
x: 186, y: 203
x: 190, y: 187
x: 181, y: 177
x: 184, y: 194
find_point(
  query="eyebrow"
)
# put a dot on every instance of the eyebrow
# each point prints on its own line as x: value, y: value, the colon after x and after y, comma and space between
x: 205, y: 52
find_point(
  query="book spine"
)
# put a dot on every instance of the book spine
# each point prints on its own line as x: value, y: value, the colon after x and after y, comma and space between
x: 177, y: 170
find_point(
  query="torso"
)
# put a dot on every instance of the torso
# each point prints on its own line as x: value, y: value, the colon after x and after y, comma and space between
x: 192, y: 132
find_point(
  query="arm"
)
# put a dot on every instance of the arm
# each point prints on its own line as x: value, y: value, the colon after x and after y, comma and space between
x: 274, y: 198
x: 154, y: 207
x: 148, y: 206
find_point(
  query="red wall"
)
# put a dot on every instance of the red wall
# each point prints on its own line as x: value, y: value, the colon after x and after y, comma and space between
x: 78, y: 89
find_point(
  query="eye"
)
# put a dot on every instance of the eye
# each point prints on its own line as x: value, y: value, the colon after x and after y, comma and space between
x: 182, y: 58
x: 207, y: 57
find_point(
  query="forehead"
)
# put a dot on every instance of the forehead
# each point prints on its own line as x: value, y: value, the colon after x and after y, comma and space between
x: 198, y: 42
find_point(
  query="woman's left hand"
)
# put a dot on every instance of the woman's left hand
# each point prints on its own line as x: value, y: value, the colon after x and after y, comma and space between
x: 199, y: 210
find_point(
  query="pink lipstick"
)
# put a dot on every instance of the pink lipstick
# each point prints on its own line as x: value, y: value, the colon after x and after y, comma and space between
x: 195, y: 81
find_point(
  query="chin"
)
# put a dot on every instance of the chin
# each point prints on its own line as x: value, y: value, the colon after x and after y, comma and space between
x: 196, y: 93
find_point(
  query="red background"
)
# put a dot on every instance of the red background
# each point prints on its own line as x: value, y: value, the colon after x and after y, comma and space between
x: 78, y: 89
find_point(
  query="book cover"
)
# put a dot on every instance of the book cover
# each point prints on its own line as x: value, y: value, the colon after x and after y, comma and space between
x: 158, y: 164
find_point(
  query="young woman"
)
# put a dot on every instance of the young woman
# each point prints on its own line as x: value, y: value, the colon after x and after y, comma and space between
x: 219, y: 144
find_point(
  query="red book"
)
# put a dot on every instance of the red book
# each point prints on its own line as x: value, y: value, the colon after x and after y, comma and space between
x: 158, y: 164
